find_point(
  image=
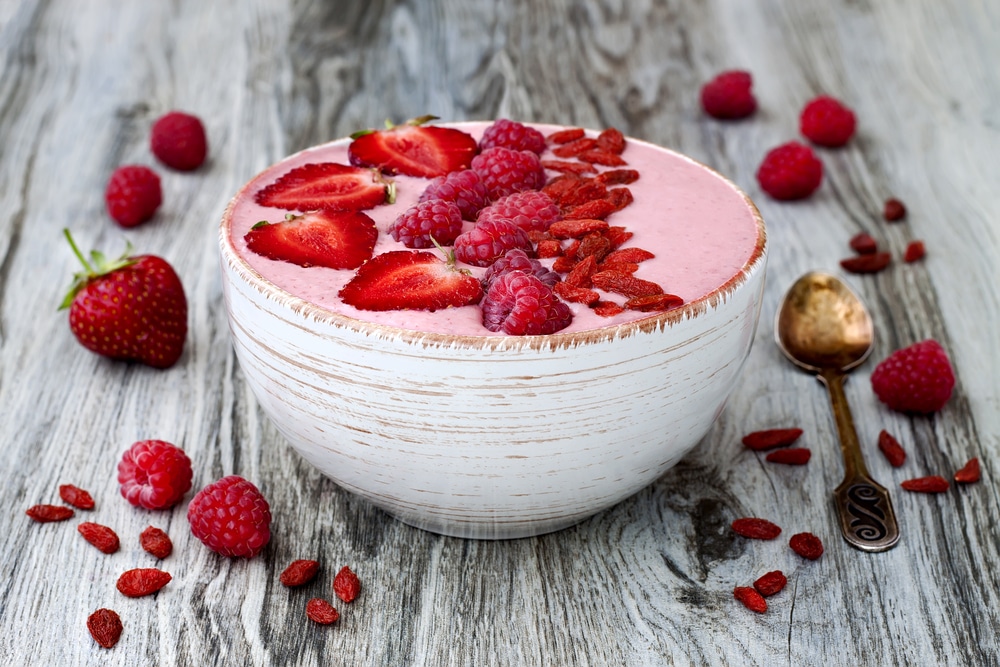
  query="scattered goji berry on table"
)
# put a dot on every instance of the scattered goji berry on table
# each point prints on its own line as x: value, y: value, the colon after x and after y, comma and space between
x: 105, y: 626
x: 806, y: 545
x: 872, y: 263
x: 321, y: 611
x: 770, y: 583
x: 968, y: 473
x: 142, y: 581
x: 863, y: 244
x: 756, y: 529
x: 75, y: 496
x: 915, y: 250
x: 771, y: 438
x: 894, y: 210
x: 156, y: 542
x: 793, y: 456
x: 750, y: 599
x: 346, y: 584
x: 49, y: 513
x: 299, y: 572
x: 928, y: 484
x: 102, y: 537
x: 891, y: 449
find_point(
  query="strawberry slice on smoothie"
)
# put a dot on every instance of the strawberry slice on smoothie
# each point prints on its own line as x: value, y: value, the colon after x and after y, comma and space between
x: 411, y: 280
x: 413, y: 149
x: 327, y: 185
x: 334, y: 239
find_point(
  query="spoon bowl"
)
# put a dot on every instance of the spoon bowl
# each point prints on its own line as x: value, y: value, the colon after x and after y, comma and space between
x: 823, y: 327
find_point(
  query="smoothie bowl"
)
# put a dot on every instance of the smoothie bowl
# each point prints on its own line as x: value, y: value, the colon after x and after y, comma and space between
x: 447, y: 416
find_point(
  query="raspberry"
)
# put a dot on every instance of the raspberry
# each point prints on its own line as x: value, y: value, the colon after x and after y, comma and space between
x: 486, y: 242
x: 518, y: 260
x: 790, y: 171
x: 464, y: 187
x: 231, y: 517
x: 435, y: 219
x: 178, y: 141
x: 917, y: 378
x: 531, y: 210
x: 154, y: 474
x: 729, y: 96
x: 520, y: 304
x: 827, y: 122
x: 513, y: 135
x: 133, y: 195
x: 505, y: 171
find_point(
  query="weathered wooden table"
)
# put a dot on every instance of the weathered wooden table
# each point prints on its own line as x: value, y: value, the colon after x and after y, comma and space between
x: 648, y: 582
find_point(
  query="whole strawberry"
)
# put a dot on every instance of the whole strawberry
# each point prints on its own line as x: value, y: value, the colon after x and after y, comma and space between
x: 231, y: 517
x: 132, y: 308
x: 918, y: 378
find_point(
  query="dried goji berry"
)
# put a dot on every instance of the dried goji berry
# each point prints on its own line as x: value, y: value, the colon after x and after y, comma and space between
x: 565, y: 136
x: 629, y: 255
x: 49, y: 513
x: 593, y: 245
x: 654, y: 302
x: 568, y: 292
x: 346, y: 584
x: 579, y: 275
x: 771, y: 438
x: 619, y: 198
x: 611, y: 140
x: 604, y: 158
x: 575, y: 229
x: 894, y: 210
x: 756, y: 529
x: 142, y: 581
x: 793, y: 456
x: 548, y: 248
x: 891, y: 449
x: 618, y: 176
x: 564, y: 166
x: 299, y: 573
x: 928, y: 484
x: 564, y: 264
x: 620, y: 267
x: 618, y: 236
x: 574, y: 147
x: 560, y: 186
x: 595, y: 208
x: 321, y: 611
x: 105, y: 626
x: 771, y: 583
x: 624, y: 284
x: 607, y: 308
x: 872, y: 263
x: 102, y: 537
x: 75, y: 496
x: 914, y: 251
x: 582, y: 191
x: 806, y: 545
x: 968, y: 473
x: 750, y: 599
x: 156, y: 542
x: 863, y: 244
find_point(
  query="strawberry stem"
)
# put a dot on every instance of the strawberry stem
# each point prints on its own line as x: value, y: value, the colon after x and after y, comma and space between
x: 101, y: 266
x: 76, y: 251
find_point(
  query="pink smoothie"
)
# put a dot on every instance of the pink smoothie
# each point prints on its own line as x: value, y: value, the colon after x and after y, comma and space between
x: 702, y: 230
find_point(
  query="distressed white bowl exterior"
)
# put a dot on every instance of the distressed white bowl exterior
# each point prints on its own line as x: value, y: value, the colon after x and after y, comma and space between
x: 498, y: 436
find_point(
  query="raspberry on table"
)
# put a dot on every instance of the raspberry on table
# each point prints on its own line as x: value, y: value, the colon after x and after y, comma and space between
x: 729, y: 96
x: 488, y: 241
x: 518, y: 260
x: 827, y: 122
x: 154, y: 474
x: 530, y: 210
x: 519, y: 304
x: 513, y: 135
x: 917, y: 379
x: 464, y: 187
x: 790, y: 171
x: 426, y: 222
x: 133, y: 195
x: 505, y: 171
x: 178, y: 140
x: 231, y: 517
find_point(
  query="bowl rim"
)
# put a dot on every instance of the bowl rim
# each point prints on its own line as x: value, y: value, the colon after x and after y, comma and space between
x: 652, y: 323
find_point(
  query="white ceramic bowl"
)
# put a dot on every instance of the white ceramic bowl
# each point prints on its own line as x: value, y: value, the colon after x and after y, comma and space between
x: 491, y: 436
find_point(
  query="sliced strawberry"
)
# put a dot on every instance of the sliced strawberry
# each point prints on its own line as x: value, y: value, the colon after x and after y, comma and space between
x: 414, y: 149
x: 334, y: 239
x: 336, y: 187
x: 405, y: 280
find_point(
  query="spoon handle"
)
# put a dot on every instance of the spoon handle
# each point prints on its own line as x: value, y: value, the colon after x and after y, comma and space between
x: 863, y: 506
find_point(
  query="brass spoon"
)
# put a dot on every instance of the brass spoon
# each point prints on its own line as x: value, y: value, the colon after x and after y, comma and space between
x: 823, y: 327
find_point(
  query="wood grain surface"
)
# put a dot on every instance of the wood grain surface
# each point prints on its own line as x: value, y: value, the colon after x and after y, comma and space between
x: 647, y: 583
